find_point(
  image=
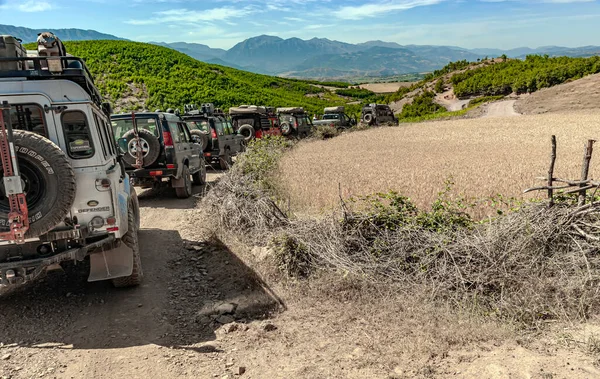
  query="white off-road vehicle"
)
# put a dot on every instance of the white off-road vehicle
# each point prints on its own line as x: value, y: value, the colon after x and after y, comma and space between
x: 64, y: 194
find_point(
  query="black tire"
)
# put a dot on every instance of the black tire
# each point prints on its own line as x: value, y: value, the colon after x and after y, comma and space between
x: 49, y: 183
x: 247, y: 131
x: 150, y: 147
x: 131, y: 239
x: 185, y: 191
x: 368, y: 118
x: 136, y: 207
x: 286, y: 128
x: 203, y: 136
x: 225, y: 161
x: 199, y: 178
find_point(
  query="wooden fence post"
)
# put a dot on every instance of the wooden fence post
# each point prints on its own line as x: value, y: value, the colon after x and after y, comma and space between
x: 585, y: 169
x: 551, y: 171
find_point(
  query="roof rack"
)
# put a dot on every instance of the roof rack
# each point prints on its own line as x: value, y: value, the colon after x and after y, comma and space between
x: 51, y: 68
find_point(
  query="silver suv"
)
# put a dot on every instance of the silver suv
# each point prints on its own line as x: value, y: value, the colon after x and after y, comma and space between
x: 64, y: 192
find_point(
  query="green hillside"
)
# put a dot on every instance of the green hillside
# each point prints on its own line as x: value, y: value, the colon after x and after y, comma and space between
x: 135, y: 75
x: 520, y: 76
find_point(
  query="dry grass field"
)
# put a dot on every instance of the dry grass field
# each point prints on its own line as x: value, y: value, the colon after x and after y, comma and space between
x: 484, y: 157
x: 386, y: 87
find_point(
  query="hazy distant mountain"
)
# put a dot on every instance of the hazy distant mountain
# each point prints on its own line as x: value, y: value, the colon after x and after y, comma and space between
x: 322, y: 58
x: 195, y: 50
x: 274, y: 54
x: 30, y: 35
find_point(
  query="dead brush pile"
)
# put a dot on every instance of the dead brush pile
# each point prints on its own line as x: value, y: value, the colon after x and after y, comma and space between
x: 530, y: 265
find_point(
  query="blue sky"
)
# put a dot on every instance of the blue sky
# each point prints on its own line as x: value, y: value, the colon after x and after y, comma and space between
x: 222, y: 23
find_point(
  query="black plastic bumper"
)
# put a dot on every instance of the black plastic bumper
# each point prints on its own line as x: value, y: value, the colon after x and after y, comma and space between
x: 151, y: 173
x: 40, y: 264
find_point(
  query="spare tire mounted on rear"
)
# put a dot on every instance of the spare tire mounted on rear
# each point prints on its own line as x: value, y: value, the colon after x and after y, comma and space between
x: 149, y: 143
x: 48, y: 182
x: 247, y: 131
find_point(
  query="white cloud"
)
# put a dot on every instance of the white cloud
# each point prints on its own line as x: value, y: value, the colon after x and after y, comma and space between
x: 27, y: 6
x: 179, y: 16
x: 382, y: 7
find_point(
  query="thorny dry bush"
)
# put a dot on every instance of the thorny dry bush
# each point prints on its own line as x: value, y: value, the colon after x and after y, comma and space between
x: 530, y: 265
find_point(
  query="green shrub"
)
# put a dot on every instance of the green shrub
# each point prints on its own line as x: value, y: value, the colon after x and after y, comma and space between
x: 422, y: 105
x: 261, y: 159
x: 326, y: 132
x: 484, y: 99
x: 291, y: 257
x: 439, y: 86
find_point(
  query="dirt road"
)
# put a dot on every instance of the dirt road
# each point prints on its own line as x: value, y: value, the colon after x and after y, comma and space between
x: 66, y: 328
x: 504, y: 108
x: 204, y: 312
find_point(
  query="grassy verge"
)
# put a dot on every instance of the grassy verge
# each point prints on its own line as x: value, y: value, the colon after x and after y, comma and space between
x: 527, y: 266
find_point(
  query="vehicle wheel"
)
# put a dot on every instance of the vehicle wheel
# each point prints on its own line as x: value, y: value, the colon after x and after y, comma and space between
x: 225, y: 161
x: 369, y: 118
x: 203, y: 136
x: 136, y: 207
x: 131, y: 239
x: 48, y: 183
x: 150, y: 147
x: 185, y: 191
x: 286, y: 128
x: 247, y: 131
x: 199, y: 178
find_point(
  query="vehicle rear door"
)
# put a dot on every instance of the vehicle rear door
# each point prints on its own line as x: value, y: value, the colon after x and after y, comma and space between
x: 195, y: 150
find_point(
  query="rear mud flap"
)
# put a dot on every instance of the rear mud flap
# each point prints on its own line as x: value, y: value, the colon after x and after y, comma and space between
x: 111, y: 264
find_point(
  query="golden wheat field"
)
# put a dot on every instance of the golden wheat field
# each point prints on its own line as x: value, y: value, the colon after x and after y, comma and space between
x: 484, y: 157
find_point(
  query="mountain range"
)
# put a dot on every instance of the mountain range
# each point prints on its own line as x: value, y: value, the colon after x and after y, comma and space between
x: 30, y: 35
x: 321, y: 58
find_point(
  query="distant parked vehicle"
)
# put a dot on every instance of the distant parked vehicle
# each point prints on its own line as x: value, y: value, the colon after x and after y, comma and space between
x: 378, y: 114
x: 335, y: 117
x: 170, y: 153
x: 294, y: 122
x: 253, y: 121
x: 219, y: 141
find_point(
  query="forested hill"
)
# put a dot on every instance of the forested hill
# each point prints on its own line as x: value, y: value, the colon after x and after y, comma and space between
x: 135, y: 75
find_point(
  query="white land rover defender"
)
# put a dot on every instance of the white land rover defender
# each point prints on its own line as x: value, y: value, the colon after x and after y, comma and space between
x: 64, y: 194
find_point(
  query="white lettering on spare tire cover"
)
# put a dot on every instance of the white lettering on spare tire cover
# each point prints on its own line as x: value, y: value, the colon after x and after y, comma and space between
x: 35, y: 155
x: 32, y: 219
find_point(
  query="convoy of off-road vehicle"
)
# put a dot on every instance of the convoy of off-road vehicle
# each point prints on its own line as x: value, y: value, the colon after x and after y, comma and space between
x: 69, y: 166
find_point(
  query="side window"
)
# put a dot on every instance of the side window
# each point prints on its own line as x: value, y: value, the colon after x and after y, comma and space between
x: 184, y: 134
x: 228, y: 127
x: 219, y: 127
x: 28, y: 117
x: 111, y: 138
x: 103, y: 137
x: 174, y: 131
x: 77, y: 135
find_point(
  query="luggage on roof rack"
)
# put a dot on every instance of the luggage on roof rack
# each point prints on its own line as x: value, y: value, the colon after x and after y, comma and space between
x: 246, y: 109
x: 290, y: 110
x: 11, y: 47
x: 340, y: 109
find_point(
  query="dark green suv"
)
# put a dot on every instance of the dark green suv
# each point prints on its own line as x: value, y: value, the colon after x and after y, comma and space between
x: 220, y: 141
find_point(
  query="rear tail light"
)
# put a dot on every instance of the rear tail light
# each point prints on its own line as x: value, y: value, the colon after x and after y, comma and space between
x: 113, y: 229
x: 296, y: 124
x: 213, y: 134
x: 111, y: 221
x: 168, y: 139
x: 258, y: 134
x: 207, y: 154
x: 171, y: 166
x: 156, y: 173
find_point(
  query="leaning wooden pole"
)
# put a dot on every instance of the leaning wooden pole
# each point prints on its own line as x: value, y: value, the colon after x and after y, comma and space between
x: 551, y: 171
x: 585, y: 169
